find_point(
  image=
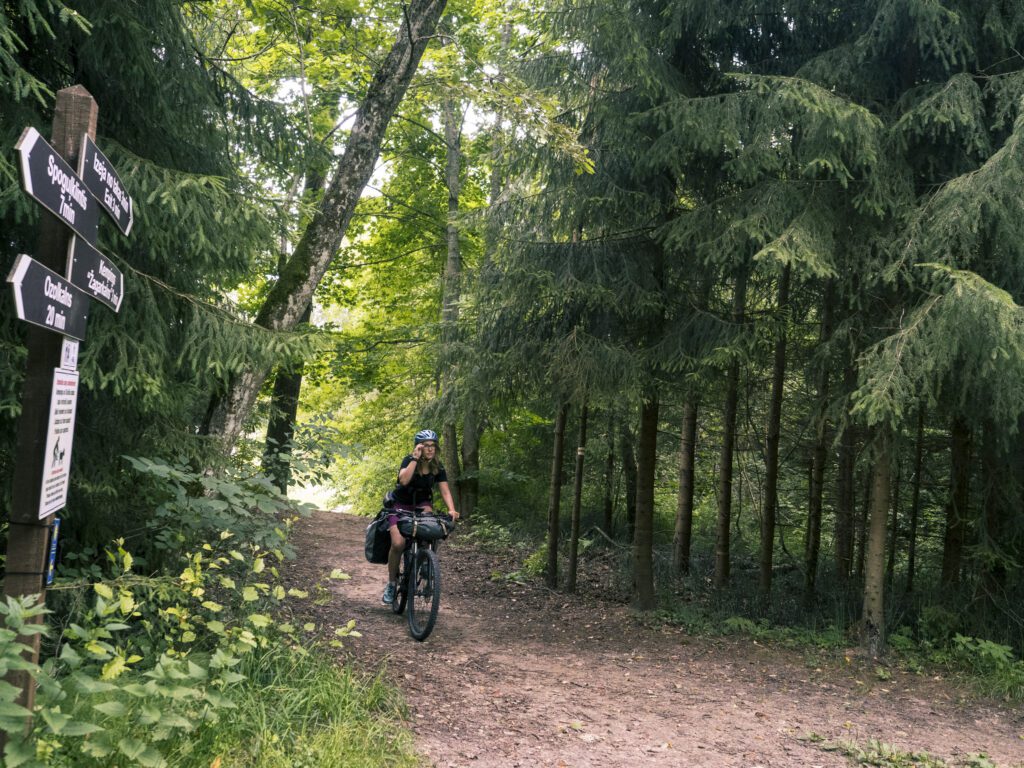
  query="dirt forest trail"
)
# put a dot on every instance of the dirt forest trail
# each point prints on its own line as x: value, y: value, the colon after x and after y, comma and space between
x: 515, y: 675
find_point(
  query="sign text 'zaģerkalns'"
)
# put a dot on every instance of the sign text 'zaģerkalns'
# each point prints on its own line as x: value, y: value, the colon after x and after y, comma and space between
x: 94, y: 273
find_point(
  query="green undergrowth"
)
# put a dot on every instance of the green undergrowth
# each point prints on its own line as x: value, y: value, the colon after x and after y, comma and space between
x: 930, y: 647
x: 876, y: 753
x: 300, y: 710
x: 989, y: 669
x: 523, y: 559
x: 181, y: 655
x: 697, y: 620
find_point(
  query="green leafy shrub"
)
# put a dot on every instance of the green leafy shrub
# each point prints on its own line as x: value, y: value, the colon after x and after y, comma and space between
x: 191, y: 506
x: 152, y: 670
x: 878, y: 753
x: 996, y: 670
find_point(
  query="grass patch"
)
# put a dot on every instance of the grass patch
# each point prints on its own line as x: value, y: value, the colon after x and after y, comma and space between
x: 877, y: 753
x: 289, y: 709
x: 299, y: 710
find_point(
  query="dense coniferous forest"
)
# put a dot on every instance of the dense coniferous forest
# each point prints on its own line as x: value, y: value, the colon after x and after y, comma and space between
x: 730, y: 290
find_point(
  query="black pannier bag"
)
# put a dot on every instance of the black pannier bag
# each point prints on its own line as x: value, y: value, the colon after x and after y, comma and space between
x: 378, y: 540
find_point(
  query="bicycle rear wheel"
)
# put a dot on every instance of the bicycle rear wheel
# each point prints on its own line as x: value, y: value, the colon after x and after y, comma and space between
x: 424, y: 593
x: 401, y: 593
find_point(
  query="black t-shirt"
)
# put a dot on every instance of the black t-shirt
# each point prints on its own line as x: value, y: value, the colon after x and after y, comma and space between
x: 420, y: 489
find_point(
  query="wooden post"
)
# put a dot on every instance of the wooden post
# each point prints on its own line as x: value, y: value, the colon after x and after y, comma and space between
x: 75, y: 114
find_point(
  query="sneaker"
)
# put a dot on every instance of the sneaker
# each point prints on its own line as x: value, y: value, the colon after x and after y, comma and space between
x: 389, y: 594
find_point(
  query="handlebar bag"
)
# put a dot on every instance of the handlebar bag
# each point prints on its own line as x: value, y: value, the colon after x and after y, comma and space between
x: 424, y: 527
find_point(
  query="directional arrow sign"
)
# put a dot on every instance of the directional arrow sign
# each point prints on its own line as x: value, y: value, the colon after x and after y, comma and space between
x: 103, y: 182
x: 43, y: 297
x: 91, y: 271
x: 48, y: 178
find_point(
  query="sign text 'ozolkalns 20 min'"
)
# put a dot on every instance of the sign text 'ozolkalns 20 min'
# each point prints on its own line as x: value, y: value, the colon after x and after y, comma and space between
x: 44, y: 298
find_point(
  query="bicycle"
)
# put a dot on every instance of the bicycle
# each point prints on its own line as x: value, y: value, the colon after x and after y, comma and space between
x: 419, y: 573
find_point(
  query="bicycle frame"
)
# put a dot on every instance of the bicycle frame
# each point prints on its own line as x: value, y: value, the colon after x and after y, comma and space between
x: 419, y: 586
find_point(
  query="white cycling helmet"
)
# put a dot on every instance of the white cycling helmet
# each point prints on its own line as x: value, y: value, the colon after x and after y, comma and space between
x: 423, y: 435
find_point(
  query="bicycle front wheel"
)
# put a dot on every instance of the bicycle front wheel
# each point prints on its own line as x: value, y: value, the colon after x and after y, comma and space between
x: 424, y: 593
x: 398, y: 605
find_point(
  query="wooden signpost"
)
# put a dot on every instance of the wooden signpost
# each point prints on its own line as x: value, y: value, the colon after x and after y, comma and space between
x: 53, y: 290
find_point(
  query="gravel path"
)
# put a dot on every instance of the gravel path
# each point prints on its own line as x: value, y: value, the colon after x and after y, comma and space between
x: 515, y: 675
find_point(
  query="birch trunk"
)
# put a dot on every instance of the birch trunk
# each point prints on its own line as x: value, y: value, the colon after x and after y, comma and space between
x: 284, y: 410
x: 318, y: 245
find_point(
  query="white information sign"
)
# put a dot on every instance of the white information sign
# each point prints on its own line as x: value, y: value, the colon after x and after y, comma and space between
x: 69, y: 355
x: 59, y: 435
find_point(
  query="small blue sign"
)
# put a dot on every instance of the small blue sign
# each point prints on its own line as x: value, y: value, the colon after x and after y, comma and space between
x: 51, y: 566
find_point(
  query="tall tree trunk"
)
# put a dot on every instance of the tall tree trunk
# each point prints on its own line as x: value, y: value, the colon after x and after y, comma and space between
x: 452, y: 292
x: 819, y: 457
x: 629, y: 470
x: 577, y: 502
x: 862, y: 525
x: 956, y: 506
x: 894, y: 524
x: 284, y: 409
x: 609, y: 478
x: 915, y: 501
x: 555, y: 496
x: 284, y: 402
x: 643, y: 536
x: 315, y: 250
x: 874, y: 560
x: 846, y: 502
x: 469, y: 487
x: 722, y: 533
x: 995, y: 472
x: 683, y: 536
x: 771, y: 447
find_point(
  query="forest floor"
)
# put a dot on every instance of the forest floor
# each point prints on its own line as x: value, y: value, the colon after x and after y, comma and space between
x: 517, y: 675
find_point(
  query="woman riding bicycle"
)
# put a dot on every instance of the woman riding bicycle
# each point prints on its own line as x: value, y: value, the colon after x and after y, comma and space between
x: 414, y: 491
